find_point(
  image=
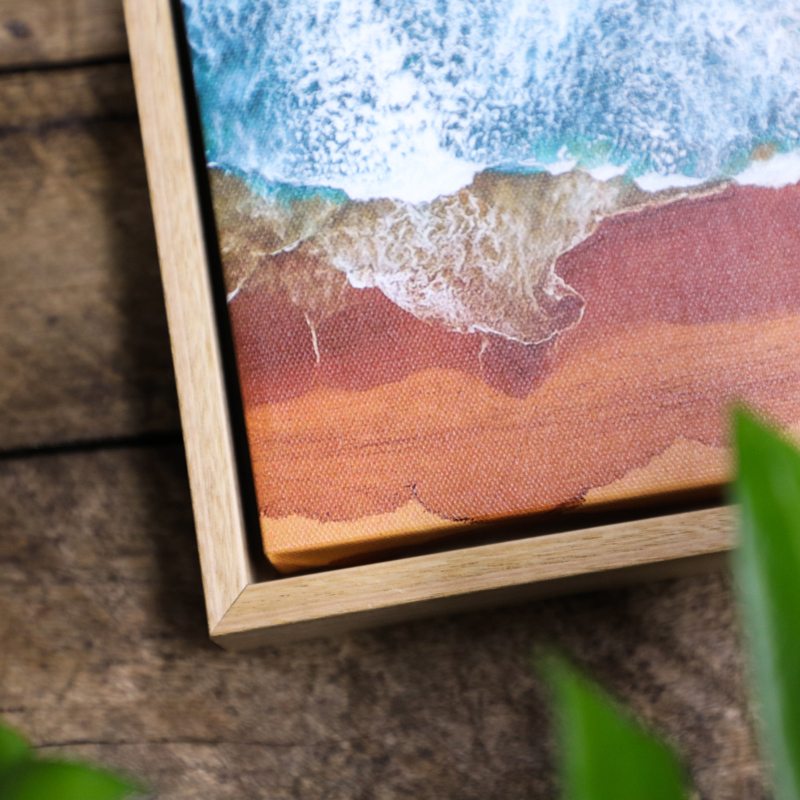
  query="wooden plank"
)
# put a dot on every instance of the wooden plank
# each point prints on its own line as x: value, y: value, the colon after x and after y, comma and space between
x: 190, y: 306
x: 474, y: 577
x: 84, y: 349
x: 39, y: 101
x: 37, y: 32
x: 104, y: 655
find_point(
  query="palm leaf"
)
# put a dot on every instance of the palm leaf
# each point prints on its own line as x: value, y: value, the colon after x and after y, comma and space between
x: 25, y: 777
x: 13, y: 748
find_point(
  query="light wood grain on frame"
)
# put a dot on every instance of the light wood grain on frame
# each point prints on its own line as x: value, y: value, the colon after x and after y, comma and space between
x: 190, y: 306
x: 459, y: 580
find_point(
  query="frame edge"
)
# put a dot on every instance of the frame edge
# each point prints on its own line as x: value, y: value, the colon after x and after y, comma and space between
x: 338, y: 601
x: 208, y: 438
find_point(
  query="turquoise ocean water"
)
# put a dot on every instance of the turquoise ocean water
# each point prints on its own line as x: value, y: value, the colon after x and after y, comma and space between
x: 410, y: 98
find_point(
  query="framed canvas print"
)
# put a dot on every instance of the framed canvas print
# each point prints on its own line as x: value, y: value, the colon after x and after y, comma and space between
x: 461, y: 292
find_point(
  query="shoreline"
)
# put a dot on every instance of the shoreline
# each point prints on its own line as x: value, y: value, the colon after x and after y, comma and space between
x: 770, y: 166
x: 480, y: 261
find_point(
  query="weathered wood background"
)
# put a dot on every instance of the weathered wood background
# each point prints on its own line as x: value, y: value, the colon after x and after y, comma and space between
x: 103, y: 647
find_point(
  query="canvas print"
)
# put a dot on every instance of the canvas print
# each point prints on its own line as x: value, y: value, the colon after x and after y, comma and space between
x: 487, y: 258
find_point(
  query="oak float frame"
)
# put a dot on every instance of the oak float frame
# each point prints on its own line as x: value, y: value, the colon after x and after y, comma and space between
x: 244, y: 612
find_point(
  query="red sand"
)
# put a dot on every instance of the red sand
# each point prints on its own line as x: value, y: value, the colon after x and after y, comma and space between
x: 687, y: 306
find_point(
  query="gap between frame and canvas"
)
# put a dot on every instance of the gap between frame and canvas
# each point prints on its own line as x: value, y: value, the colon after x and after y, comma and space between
x: 244, y: 614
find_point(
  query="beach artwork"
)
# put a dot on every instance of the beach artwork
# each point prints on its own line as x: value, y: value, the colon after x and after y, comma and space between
x: 490, y: 258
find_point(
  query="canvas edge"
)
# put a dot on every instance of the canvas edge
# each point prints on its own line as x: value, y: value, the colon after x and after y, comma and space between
x: 338, y: 601
x: 197, y: 357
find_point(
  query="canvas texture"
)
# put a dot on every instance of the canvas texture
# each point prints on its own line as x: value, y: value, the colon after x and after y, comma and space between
x: 488, y: 259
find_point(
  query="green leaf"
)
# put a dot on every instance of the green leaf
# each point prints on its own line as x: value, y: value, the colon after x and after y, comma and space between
x: 13, y: 748
x: 604, y: 754
x: 59, y: 780
x: 767, y: 568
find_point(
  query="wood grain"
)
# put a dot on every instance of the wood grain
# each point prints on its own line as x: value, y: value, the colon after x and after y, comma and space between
x: 84, y: 348
x: 190, y: 307
x: 38, y: 32
x: 473, y: 577
x: 104, y: 655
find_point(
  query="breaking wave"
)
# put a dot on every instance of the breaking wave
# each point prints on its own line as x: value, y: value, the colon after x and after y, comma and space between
x: 482, y: 260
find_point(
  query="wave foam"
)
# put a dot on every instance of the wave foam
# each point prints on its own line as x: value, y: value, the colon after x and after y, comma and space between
x: 411, y: 98
x: 781, y: 170
x: 481, y: 260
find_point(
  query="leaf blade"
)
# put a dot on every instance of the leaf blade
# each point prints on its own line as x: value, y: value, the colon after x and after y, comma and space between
x: 61, y: 780
x: 767, y: 569
x: 13, y: 748
x: 604, y: 754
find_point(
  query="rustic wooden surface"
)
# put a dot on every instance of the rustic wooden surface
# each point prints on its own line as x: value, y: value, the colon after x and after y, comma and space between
x: 103, y: 645
x: 83, y: 336
x: 105, y: 655
x: 37, y: 32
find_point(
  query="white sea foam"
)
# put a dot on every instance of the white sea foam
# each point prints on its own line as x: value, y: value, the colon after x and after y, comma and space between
x: 607, y: 172
x: 410, y: 98
x: 656, y: 182
x: 482, y: 259
x: 781, y: 170
x: 424, y: 174
x: 562, y: 164
x: 439, y: 174
x: 777, y: 171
